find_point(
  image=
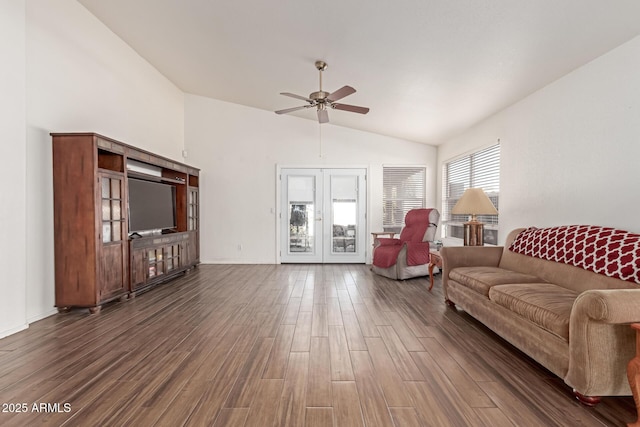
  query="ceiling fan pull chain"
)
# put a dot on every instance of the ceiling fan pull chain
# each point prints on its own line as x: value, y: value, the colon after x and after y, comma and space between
x: 320, y: 138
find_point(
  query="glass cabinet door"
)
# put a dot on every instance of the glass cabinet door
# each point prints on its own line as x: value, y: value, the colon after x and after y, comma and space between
x: 112, y: 232
x: 173, y: 257
x: 112, y: 212
x: 192, y: 206
x: 155, y: 260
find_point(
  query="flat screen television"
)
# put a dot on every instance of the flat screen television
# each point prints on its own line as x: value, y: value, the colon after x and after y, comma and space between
x: 152, y: 205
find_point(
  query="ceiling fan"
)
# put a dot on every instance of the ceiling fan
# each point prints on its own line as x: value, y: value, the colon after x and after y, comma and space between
x: 322, y: 100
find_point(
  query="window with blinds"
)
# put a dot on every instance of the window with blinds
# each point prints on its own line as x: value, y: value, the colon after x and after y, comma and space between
x: 403, y: 189
x: 480, y: 169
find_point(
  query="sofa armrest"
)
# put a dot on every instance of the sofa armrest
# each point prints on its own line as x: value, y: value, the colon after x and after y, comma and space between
x: 609, y: 305
x: 467, y: 256
x: 601, y: 343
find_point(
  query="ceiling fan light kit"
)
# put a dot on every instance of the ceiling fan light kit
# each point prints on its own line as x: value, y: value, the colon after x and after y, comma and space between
x: 322, y: 100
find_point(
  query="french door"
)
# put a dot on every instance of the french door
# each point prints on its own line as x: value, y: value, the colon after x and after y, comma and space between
x: 323, y: 215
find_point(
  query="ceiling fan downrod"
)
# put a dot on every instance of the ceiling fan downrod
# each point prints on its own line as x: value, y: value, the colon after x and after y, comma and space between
x: 320, y: 96
x: 321, y: 66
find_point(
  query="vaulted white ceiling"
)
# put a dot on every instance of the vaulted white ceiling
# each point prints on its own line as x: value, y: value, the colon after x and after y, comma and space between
x: 428, y: 69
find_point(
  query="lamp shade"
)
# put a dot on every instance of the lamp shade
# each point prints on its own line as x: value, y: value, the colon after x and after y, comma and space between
x: 474, y: 201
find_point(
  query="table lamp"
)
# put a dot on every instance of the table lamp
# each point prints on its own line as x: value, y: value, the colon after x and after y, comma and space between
x: 474, y: 202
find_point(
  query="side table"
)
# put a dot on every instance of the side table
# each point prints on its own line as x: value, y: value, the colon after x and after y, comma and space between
x: 633, y: 374
x: 435, y: 260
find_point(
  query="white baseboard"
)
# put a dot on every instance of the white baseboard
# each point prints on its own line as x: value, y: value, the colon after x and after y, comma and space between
x: 12, y: 331
x: 42, y: 315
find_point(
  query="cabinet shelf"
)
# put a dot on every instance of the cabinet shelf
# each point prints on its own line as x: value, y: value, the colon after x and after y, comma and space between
x: 149, y: 177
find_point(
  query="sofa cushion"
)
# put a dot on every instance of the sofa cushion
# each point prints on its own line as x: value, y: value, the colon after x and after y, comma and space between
x: 545, y: 304
x: 481, y: 279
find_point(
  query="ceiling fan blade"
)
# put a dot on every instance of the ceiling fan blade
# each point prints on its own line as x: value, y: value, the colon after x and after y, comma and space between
x: 323, y: 116
x: 293, y: 95
x: 341, y: 93
x: 351, y: 108
x: 289, y: 110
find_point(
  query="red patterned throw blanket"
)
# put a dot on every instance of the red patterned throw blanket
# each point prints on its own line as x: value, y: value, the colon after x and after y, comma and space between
x: 603, y: 250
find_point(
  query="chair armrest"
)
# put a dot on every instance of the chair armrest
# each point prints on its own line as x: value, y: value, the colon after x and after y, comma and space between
x: 383, y: 233
x: 601, y: 343
x: 378, y: 241
x: 376, y: 237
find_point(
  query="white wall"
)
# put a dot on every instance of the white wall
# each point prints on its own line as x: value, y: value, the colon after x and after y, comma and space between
x: 570, y: 151
x: 13, y: 153
x: 80, y: 77
x: 239, y: 149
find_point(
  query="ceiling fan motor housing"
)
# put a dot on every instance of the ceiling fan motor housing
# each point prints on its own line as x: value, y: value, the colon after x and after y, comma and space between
x: 319, y: 96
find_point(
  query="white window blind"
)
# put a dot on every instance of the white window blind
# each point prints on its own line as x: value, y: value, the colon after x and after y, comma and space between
x: 403, y: 190
x: 477, y: 170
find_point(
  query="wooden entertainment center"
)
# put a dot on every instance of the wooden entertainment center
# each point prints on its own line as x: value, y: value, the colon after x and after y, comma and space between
x: 97, y: 258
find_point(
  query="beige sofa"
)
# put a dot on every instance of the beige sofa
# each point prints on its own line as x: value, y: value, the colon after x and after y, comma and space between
x: 573, y: 321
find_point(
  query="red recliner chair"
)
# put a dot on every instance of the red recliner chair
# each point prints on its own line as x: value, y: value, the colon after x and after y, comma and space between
x: 407, y: 256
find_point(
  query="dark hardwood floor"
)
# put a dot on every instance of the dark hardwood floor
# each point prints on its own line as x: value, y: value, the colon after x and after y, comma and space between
x: 297, y: 345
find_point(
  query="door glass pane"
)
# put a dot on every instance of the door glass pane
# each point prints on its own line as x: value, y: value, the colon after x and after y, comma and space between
x: 106, y: 232
x: 116, y: 227
x: 115, y: 188
x: 115, y: 210
x: 301, y: 213
x: 344, y: 194
x: 106, y: 210
x: 106, y: 182
x: 159, y: 268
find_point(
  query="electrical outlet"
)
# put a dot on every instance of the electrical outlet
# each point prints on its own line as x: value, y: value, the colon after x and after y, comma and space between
x: 240, y: 246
